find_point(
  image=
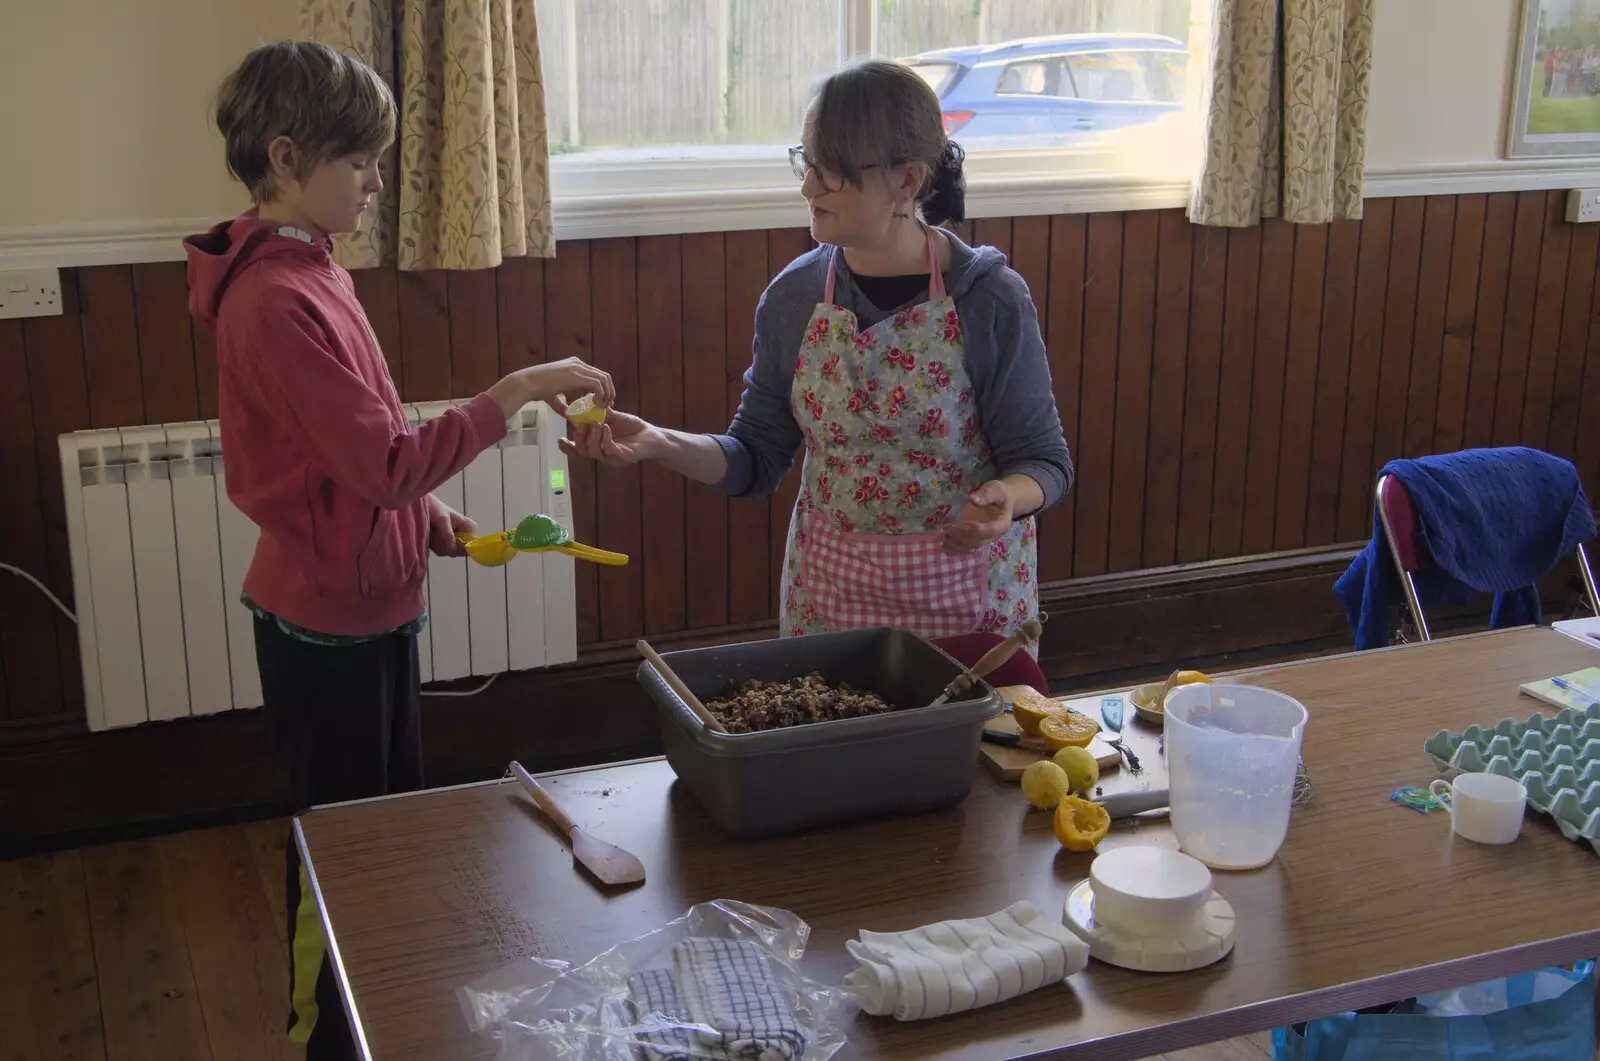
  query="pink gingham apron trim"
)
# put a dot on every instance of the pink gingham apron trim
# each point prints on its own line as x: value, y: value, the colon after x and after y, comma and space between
x: 857, y: 581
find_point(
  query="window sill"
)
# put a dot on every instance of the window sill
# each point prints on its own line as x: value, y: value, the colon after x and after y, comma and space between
x: 638, y: 193
x: 766, y: 196
x: 600, y: 216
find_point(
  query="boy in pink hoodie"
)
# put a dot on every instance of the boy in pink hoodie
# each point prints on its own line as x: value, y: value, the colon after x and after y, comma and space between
x: 322, y: 458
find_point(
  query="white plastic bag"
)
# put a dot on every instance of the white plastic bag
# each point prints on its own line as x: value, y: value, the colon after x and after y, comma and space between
x: 721, y: 982
x: 1476, y: 1000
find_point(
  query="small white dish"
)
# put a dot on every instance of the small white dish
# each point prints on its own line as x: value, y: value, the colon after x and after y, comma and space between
x: 1146, y: 701
x: 1152, y: 910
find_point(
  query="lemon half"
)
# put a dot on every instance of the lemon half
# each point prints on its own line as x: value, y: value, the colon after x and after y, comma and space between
x: 585, y: 411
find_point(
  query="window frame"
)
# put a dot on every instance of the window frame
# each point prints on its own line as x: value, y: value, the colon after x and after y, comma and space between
x: 684, y: 189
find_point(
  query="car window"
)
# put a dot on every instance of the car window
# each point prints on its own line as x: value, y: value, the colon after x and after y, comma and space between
x: 1031, y: 78
x: 1111, y: 77
x: 939, y: 76
x: 1169, y: 75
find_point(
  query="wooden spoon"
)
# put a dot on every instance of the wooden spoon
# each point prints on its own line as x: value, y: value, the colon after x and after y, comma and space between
x: 991, y: 660
x: 675, y: 683
x: 608, y: 863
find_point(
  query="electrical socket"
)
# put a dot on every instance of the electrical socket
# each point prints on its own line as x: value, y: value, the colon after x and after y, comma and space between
x: 30, y: 293
x: 1583, y: 205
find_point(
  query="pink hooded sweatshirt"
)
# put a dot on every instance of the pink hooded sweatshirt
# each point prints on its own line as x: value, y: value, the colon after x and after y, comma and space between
x: 318, y: 451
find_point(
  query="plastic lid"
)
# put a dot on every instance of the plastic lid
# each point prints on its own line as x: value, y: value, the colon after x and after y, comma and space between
x: 1209, y: 939
x: 1149, y: 890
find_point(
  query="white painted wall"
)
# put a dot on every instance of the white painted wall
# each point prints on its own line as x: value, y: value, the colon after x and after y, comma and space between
x: 105, y: 106
x: 1441, y: 81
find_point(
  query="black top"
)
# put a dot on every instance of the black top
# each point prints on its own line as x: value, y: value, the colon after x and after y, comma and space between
x: 892, y: 292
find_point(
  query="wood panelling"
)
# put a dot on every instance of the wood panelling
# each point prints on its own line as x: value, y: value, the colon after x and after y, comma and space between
x: 1226, y: 392
x: 101, y: 786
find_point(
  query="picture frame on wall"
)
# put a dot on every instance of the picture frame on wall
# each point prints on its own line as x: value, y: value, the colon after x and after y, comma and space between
x: 1555, y: 107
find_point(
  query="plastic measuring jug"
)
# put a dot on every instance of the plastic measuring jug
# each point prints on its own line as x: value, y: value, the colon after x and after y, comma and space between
x: 1232, y: 755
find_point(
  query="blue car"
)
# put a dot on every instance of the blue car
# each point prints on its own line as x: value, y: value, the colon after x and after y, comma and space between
x: 1066, y: 90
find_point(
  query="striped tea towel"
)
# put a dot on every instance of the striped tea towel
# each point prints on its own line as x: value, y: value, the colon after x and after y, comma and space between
x: 955, y: 966
x: 718, y: 1001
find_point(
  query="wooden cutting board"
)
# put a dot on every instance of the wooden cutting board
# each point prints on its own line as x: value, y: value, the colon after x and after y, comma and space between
x: 1008, y: 763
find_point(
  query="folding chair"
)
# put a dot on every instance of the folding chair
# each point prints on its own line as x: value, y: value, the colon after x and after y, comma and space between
x: 1398, y: 517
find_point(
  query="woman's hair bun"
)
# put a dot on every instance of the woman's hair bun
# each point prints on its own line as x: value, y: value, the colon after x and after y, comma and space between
x: 946, y: 203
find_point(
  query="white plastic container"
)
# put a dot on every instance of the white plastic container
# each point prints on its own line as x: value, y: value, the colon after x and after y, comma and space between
x: 1232, y: 755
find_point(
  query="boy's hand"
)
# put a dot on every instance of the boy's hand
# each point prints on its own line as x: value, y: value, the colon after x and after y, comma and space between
x: 573, y: 378
x: 543, y: 383
x: 444, y: 526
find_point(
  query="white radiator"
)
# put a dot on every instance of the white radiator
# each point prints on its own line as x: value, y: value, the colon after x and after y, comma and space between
x: 159, y: 555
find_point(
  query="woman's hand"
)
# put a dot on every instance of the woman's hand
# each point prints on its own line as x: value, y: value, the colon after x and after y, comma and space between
x: 986, y: 519
x: 623, y: 439
x: 446, y: 527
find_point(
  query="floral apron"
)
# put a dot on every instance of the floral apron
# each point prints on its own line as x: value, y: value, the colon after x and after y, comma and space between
x: 893, y: 447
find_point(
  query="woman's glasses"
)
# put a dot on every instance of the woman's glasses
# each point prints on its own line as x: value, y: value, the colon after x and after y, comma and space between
x: 801, y: 165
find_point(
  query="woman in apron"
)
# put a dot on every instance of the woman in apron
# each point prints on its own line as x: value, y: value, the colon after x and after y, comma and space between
x: 909, y: 370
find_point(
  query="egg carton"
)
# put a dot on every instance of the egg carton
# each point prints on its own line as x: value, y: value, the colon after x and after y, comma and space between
x: 1557, y: 759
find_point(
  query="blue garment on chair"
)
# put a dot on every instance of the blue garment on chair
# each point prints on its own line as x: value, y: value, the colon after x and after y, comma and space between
x: 1493, y: 520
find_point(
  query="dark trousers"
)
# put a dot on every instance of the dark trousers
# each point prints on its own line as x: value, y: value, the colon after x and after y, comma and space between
x: 346, y: 722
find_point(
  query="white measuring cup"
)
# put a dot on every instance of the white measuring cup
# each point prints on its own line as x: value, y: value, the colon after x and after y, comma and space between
x: 1232, y: 755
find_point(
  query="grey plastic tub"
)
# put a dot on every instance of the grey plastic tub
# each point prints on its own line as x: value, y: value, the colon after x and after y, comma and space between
x: 756, y: 785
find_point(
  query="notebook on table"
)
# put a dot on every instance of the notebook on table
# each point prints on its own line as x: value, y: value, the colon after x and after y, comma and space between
x: 1554, y: 695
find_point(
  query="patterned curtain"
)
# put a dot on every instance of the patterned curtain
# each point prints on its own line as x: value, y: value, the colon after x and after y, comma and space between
x: 1286, y: 112
x: 468, y: 183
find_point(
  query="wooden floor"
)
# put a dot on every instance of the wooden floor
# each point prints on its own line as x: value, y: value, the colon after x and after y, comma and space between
x: 174, y: 949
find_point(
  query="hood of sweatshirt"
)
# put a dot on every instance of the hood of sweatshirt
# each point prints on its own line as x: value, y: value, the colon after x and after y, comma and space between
x: 217, y: 257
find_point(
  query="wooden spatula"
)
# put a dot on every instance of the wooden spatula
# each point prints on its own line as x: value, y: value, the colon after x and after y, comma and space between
x: 608, y: 863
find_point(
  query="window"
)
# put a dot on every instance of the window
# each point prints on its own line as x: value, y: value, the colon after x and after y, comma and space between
x: 1169, y: 75
x: 939, y: 76
x: 649, y: 99
x: 625, y: 76
x: 1111, y: 77
x: 1032, y: 78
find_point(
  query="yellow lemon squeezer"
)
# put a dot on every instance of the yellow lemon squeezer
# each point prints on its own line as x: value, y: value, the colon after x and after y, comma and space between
x: 536, y: 534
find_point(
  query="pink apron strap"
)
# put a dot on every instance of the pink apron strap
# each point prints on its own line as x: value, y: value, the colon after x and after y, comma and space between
x: 935, y: 274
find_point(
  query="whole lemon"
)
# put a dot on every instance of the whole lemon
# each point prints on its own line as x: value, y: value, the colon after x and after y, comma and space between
x: 1045, y: 783
x: 1079, y: 764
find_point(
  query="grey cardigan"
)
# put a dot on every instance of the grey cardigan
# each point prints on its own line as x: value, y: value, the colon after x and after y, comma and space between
x: 1005, y: 358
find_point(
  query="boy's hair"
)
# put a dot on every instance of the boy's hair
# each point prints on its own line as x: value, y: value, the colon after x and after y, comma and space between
x: 329, y: 104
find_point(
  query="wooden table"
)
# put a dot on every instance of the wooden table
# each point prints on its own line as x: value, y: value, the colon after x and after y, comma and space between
x: 1367, y: 901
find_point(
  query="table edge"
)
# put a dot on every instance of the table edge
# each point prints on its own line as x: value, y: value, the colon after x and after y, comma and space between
x: 502, y: 779
x: 335, y: 958
x: 1081, y: 694
x: 1310, y: 661
x: 1326, y: 1001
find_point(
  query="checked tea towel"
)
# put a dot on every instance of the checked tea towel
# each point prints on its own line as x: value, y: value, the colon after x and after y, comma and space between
x: 718, y: 1001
